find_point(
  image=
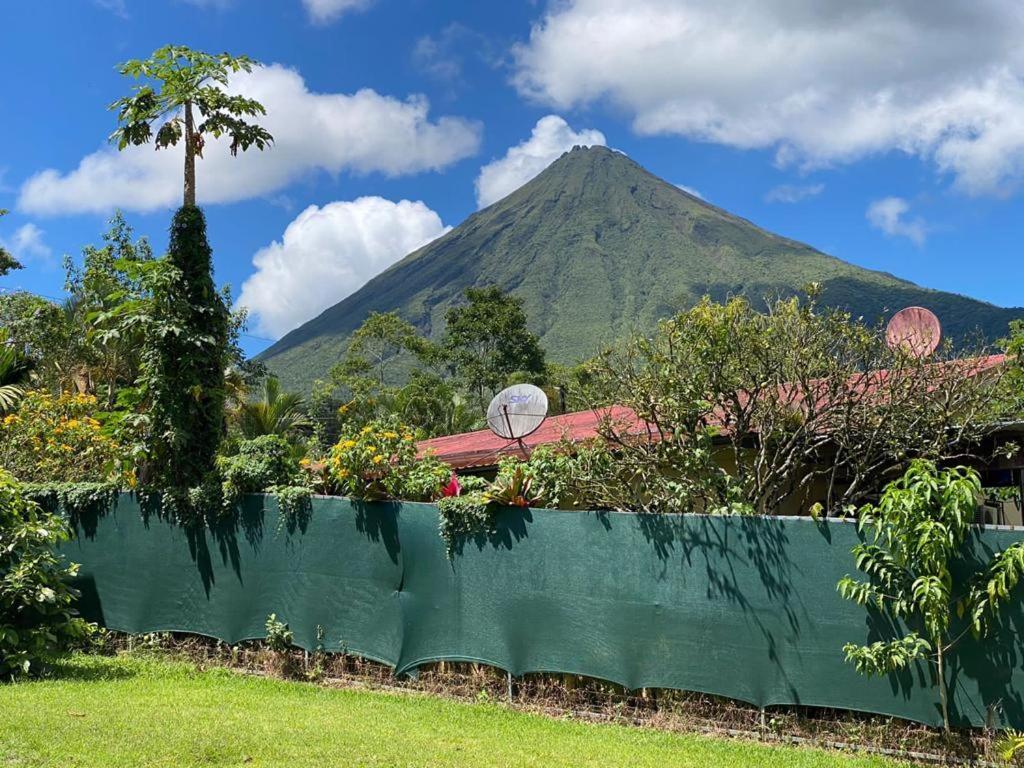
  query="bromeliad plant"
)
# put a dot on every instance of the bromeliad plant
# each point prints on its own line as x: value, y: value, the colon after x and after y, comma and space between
x: 513, y: 485
x: 915, y: 534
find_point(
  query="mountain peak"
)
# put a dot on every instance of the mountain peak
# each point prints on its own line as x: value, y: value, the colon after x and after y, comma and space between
x: 597, y: 246
x: 590, y: 155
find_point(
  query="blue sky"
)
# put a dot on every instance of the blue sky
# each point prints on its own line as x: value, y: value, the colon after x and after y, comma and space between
x: 891, y: 135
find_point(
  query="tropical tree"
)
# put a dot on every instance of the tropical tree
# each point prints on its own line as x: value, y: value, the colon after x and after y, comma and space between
x: 487, y: 343
x: 105, y: 362
x: 15, y: 369
x: 277, y: 413
x: 189, y: 82
x: 372, y: 351
x: 916, y: 533
x: 7, y: 261
x: 808, y: 404
x: 433, y: 406
x: 186, y: 323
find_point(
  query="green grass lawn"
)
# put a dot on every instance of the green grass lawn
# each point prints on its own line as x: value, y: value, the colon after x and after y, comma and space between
x: 138, y: 711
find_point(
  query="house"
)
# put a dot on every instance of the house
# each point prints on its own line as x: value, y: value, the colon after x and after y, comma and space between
x: 479, y: 452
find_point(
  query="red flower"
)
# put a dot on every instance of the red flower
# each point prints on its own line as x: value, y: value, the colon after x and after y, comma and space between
x: 453, y: 488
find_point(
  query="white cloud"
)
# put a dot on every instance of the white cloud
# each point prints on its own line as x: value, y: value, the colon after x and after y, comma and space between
x: 890, y: 216
x: 551, y: 136
x: 328, y: 252
x: 690, y: 191
x: 325, y: 11
x: 819, y: 83
x: 444, y: 56
x: 793, y: 193
x: 27, y: 243
x: 363, y: 132
x: 116, y: 7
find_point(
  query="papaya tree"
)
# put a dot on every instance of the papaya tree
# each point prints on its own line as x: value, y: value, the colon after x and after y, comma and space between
x: 182, y: 98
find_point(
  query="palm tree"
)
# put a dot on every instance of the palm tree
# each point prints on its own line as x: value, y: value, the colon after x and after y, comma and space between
x: 15, y: 369
x: 278, y: 413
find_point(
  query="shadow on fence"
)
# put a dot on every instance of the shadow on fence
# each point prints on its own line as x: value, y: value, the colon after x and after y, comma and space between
x: 733, y: 606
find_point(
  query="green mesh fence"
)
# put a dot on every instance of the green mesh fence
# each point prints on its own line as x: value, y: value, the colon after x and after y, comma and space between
x: 740, y: 607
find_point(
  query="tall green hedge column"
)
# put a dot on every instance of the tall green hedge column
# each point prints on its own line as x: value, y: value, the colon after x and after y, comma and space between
x: 186, y: 364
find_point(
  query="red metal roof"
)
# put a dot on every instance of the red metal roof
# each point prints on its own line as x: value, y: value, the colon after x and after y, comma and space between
x: 483, y: 448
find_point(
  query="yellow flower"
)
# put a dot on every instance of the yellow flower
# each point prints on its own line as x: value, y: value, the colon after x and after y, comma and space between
x: 378, y: 459
x: 304, y: 462
x: 407, y: 437
x: 366, y: 430
x: 342, y: 473
x: 372, y: 449
x: 349, y: 444
x: 390, y: 435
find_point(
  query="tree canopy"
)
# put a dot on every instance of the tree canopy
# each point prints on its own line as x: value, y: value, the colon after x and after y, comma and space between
x: 7, y: 261
x: 810, y: 405
x: 487, y: 343
x: 187, y: 80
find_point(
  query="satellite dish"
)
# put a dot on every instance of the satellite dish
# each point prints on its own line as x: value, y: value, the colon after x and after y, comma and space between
x: 916, y: 330
x: 517, y: 411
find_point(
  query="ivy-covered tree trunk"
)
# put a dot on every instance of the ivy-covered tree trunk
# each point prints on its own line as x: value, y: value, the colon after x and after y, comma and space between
x: 185, y: 362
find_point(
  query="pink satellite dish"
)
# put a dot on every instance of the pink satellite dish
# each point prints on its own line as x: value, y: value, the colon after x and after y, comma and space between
x: 916, y: 330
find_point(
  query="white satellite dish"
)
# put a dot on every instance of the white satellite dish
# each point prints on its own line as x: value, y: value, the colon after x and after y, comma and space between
x: 517, y: 411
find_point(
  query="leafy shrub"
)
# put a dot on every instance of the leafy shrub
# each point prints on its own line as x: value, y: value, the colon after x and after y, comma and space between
x: 425, y: 479
x: 53, y: 439
x: 279, y: 636
x: 36, y: 618
x: 379, y: 462
x: 914, y: 535
x: 564, y: 476
x: 261, y: 464
x: 554, y: 476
